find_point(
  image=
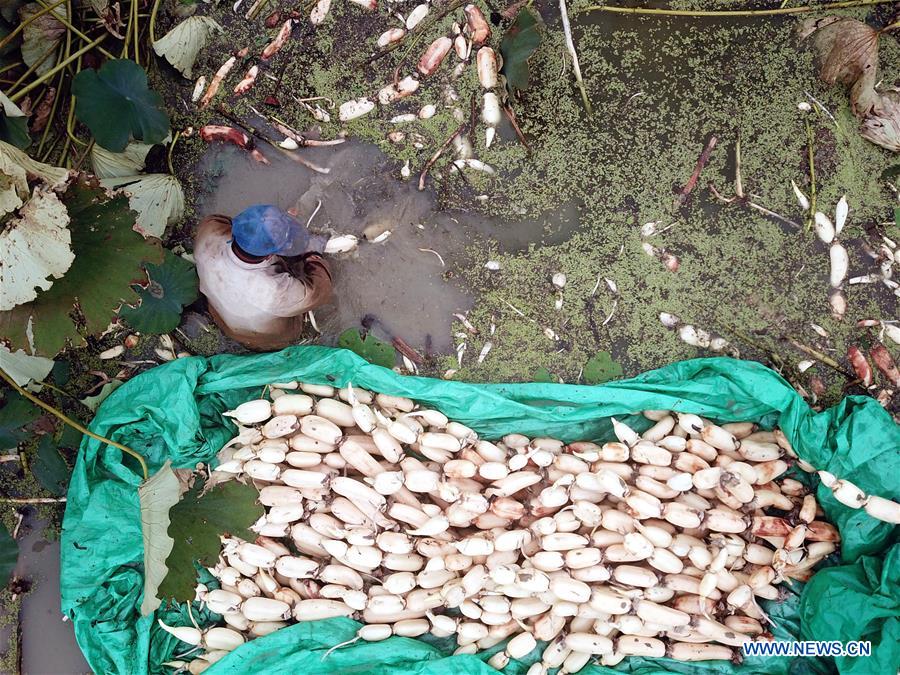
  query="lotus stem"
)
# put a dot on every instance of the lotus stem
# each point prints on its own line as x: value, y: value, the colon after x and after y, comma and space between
x: 9, y: 38
x: 58, y: 67
x: 33, y: 67
x: 53, y: 387
x: 72, y: 423
x: 52, y: 115
x: 137, y: 34
x: 11, y: 66
x: 153, y: 12
x: 725, y: 13
x: 80, y: 160
x: 171, y: 150
x: 70, y: 122
x: 68, y: 24
x: 570, y: 45
x: 32, y: 500
x: 818, y: 356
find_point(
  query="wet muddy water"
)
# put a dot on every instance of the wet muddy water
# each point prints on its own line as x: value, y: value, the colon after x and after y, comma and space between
x: 47, y: 644
x: 407, y: 282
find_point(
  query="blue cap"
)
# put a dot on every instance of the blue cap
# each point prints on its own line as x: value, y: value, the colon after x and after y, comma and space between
x: 264, y: 229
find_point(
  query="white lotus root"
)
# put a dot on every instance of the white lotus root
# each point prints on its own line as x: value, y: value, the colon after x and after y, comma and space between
x: 343, y: 243
x: 355, y: 108
x: 657, y: 543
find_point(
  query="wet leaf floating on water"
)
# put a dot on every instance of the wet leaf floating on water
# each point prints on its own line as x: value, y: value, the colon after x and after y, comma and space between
x: 170, y: 287
x: 16, y: 412
x: 369, y: 347
x: 15, y: 168
x: 157, y: 198
x: 23, y: 368
x: 13, y: 123
x: 108, y: 258
x: 181, y: 45
x: 847, y: 52
x: 129, y: 162
x: 9, y: 554
x: 845, y: 48
x: 517, y: 46
x: 42, y: 35
x: 49, y: 468
x: 197, y: 522
x: 35, y: 248
x: 601, y: 368
x: 116, y: 104
x: 93, y: 402
x: 157, y: 495
x: 881, y: 119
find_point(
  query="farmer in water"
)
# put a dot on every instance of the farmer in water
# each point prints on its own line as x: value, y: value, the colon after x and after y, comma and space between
x: 261, y: 272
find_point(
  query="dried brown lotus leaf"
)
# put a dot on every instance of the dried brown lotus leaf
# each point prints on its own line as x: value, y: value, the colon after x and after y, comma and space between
x: 846, y: 49
x: 42, y: 35
x: 810, y: 26
x: 881, y: 124
x: 878, y: 112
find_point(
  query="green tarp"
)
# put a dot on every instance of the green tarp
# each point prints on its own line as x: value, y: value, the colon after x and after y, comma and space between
x: 174, y: 412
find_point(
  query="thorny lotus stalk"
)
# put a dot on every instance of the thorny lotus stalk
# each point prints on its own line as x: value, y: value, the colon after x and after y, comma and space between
x: 657, y: 544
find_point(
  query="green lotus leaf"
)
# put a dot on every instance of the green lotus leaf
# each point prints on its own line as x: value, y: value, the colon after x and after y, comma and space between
x: 369, y: 347
x: 108, y: 259
x: 16, y: 412
x: 49, y: 467
x: 117, y: 105
x: 518, y: 44
x: 601, y: 368
x: 169, y: 288
x: 9, y: 554
x: 196, y: 524
x: 13, y: 123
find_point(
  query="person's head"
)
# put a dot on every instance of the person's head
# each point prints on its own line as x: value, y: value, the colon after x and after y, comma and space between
x: 263, y: 230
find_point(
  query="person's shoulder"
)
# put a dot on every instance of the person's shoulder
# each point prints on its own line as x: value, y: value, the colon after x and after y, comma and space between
x: 215, y: 225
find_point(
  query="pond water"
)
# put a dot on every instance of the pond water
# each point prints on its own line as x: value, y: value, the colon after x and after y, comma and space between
x: 406, y: 283
x: 48, y: 644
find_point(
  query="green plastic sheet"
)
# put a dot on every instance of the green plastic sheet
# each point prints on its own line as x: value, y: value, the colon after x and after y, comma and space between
x: 174, y: 412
